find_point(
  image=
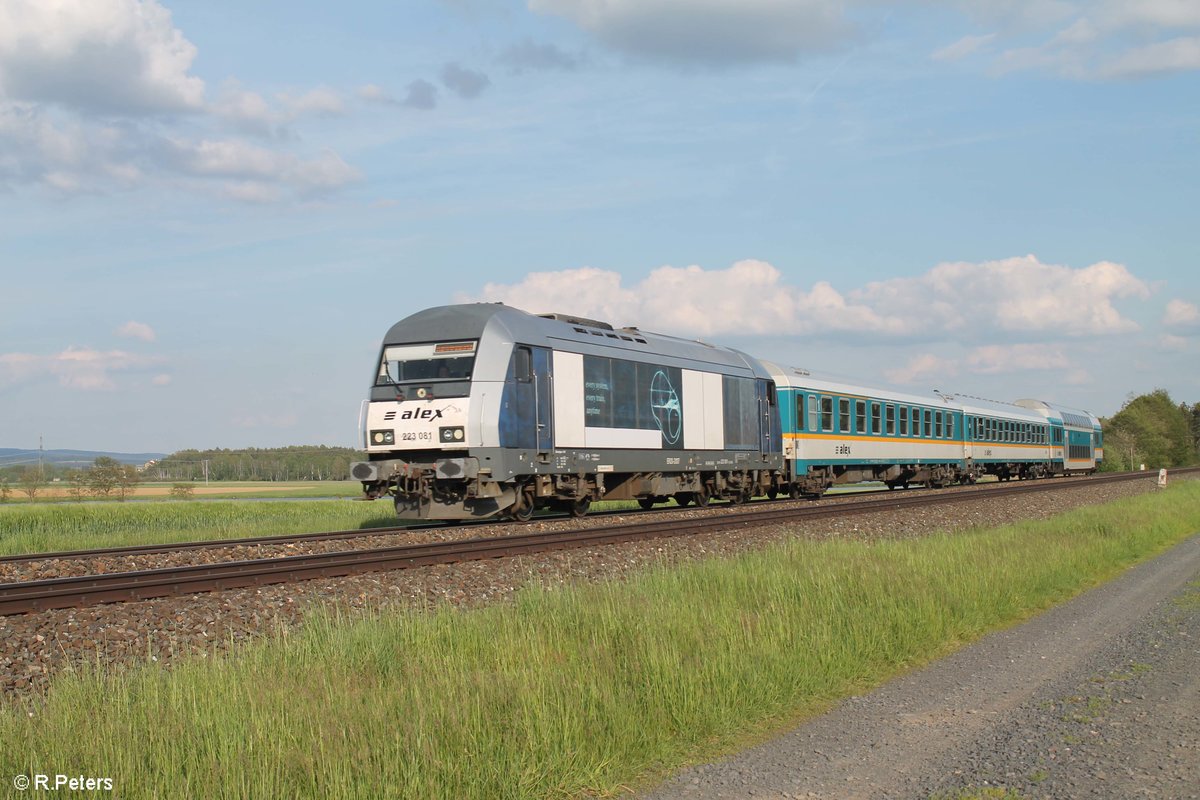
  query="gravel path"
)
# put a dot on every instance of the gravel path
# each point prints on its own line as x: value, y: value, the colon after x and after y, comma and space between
x: 35, y: 647
x: 1097, y: 698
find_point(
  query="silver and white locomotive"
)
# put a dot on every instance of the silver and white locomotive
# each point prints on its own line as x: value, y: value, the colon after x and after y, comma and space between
x: 483, y: 409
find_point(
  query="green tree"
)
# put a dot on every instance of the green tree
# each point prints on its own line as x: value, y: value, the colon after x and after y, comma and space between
x: 104, y: 476
x: 32, y: 482
x: 1149, y: 429
x: 77, y: 484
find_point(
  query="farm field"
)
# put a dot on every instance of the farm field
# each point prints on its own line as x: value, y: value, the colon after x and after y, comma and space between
x: 579, y: 691
x: 211, y: 491
x: 47, y: 527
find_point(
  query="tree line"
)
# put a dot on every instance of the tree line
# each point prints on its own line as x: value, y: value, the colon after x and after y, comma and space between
x: 1153, y: 430
x: 297, y: 463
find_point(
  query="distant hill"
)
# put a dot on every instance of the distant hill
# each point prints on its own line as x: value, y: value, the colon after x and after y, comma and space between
x: 11, y: 457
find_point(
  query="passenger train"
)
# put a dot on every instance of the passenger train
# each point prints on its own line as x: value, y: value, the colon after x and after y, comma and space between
x: 483, y: 410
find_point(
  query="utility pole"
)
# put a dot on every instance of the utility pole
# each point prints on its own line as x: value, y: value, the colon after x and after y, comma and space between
x: 206, y: 472
x: 41, y: 460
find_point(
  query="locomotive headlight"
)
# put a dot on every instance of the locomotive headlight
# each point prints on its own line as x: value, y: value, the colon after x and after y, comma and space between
x: 383, y: 437
x: 451, y: 435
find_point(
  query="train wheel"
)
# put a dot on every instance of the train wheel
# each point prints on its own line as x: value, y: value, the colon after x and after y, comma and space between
x: 522, y: 510
x: 794, y: 492
x: 683, y: 498
x: 580, y: 507
x: 646, y: 503
x: 772, y: 493
x: 702, y: 497
x: 737, y: 498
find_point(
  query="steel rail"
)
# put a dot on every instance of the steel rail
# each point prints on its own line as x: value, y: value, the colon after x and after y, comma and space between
x: 87, y: 590
x: 357, y: 533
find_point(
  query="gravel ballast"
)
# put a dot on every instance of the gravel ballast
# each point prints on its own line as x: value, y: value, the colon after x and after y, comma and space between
x: 35, y: 647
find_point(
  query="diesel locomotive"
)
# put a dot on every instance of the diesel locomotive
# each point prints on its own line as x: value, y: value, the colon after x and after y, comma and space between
x: 478, y: 410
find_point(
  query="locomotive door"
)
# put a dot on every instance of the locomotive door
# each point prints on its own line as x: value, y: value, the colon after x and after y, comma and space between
x: 543, y: 403
x: 530, y: 424
x: 770, y: 436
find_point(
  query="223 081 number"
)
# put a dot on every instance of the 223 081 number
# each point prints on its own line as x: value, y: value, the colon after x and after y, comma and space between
x: 420, y: 436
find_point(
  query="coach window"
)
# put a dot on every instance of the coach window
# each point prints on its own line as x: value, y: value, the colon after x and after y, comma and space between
x: 812, y: 412
x: 890, y: 419
x: 843, y: 415
x: 903, y: 420
x: 876, y: 420
x: 949, y: 425
x: 928, y: 424
x: 937, y: 424
x: 860, y: 416
x: 800, y: 411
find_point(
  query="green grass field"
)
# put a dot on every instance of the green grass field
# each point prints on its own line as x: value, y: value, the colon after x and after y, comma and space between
x: 76, y: 526
x: 573, y: 692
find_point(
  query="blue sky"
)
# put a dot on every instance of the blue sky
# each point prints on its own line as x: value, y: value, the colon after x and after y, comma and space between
x: 210, y: 213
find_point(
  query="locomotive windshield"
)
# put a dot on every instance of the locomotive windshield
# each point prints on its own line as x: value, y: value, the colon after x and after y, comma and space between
x: 446, y: 361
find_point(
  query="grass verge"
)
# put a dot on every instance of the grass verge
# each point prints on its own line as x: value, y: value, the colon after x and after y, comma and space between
x: 82, y: 526
x: 577, y: 691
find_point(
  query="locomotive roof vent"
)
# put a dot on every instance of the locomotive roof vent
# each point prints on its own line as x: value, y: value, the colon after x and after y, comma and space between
x: 572, y: 320
x: 581, y: 325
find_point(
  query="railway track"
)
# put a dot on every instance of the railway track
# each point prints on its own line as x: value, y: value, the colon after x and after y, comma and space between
x: 79, y: 591
x: 359, y: 533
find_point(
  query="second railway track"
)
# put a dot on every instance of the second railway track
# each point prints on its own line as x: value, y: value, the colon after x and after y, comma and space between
x: 86, y: 590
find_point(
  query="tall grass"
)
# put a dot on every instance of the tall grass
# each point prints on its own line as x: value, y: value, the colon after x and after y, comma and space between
x: 576, y: 691
x: 33, y: 529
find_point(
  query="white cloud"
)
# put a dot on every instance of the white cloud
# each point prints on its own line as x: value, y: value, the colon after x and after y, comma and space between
x: 1018, y: 295
x: 1015, y: 297
x: 1181, y: 314
x: 88, y: 87
x: 1181, y: 54
x: 709, y: 31
x: 137, y: 330
x: 998, y: 358
x: 1174, y: 344
x: 748, y: 297
x: 255, y: 171
x: 321, y: 101
x: 106, y: 56
x: 920, y: 367
x: 162, y: 379
x: 1106, y: 39
x: 75, y: 368
x: 962, y: 48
